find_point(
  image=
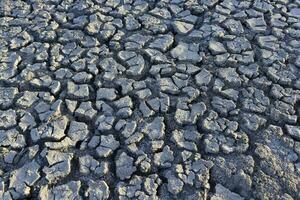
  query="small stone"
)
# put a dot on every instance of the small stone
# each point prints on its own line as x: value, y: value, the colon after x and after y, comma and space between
x: 7, y: 95
x: 155, y: 129
x: 59, y: 165
x: 182, y: 27
x: 216, y: 47
x: 107, y: 146
x: 77, y: 91
x: 164, y: 158
x: 224, y: 193
x: 294, y: 131
x: 186, y: 52
x: 162, y: 43
x: 97, y: 190
x: 86, y: 111
x: 78, y: 131
x: 203, y: 77
x: 175, y: 185
x: 23, y: 179
x: 69, y: 190
x: 106, y: 94
x: 234, y: 26
x: 124, y: 166
x: 8, y: 118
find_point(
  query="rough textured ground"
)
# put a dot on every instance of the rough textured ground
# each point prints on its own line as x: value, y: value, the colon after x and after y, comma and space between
x: 171, y: 99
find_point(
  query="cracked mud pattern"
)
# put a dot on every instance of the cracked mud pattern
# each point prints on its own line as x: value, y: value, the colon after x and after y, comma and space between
x: 150, y: 100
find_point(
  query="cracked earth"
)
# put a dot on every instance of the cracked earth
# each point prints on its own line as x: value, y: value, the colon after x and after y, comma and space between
x: 150, y: 100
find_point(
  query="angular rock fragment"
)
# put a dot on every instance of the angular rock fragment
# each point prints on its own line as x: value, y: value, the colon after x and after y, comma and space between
x: 223, y: 106
x: 216, y: 47
x: 69, y: 190
x: 106, y: 94
x: 164, y: 158
x: 234, y: 26
x: 268, y: 42
x: 162, y: 42
x: 107, y: 146
x: 187, y: 52
x: 238, y: 45
x: 27, y: 99
x: 59, y: 165
x: 294, y: 131
x: 12, y: 138
x: 182, y: 27
x: 175, y: 185
x: 155, y: 129
x: 78, y: 131
x: 97, y: 190
x: 23, y: 179
x: 75, y: 91
x: 54, y: 130
x: 7, y: 96
x: 184, y: 116
x: 104, y: 123
x: 230, y: 75
x: 258, y: 25
x: 134, y: 61
x: 7, y: 118
x: 124, y: 166
x: 224, y: 193
x: 86, y: 111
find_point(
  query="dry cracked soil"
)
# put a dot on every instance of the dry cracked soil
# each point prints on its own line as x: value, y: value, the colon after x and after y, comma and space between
x: 149, y: 99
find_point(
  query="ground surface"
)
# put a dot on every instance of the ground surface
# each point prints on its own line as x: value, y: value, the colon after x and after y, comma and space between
x: 124, y: 99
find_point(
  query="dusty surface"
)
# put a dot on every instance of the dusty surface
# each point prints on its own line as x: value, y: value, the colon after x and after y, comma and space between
x: 136, y: 99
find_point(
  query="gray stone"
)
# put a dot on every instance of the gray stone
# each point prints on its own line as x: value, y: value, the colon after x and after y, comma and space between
x: 294, y: 131
x: 97, y: 190
x: 87, y: 164
x: 186, y: 52
x: 77, y: 91
x: 8, y: 118
x: 203, y: 77
x: 78, y: 131
x: 175, y: 185
x: 268, y: 42
x: 7, y: 95
x: 257, y: 25
x: 131, y: 23
x: 155, y: 129
x: 239, y: 45
x: 107, y: 146
x: 225, y: 194
x: 12, y: 138
x: 106, y: 94
x: 23, y: 179
x: 182, y: 27
x: 223, y: 106
x: 59, y: 165
x: 216, y: 47
x: 230, y: 75
x: 162, y: 42
x: 235, y: 27
x: 124, y: 166
x: 104, y: 123
x: 184, y: 116
x: 27, y: 99
x: 54, y: 130
x: 86, y: 111
x: 66, y: 191
x: 134, y: 61
x: 164, y: 158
